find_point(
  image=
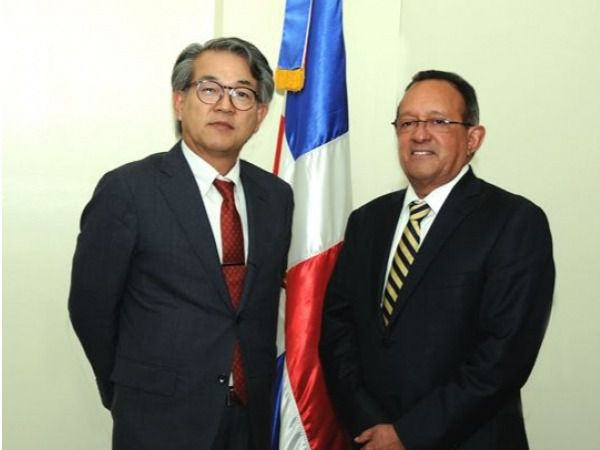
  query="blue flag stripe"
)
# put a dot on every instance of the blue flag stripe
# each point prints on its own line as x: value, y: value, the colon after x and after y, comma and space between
x: 294, y: 34
x: 319, y: 113
x: 277, y: 402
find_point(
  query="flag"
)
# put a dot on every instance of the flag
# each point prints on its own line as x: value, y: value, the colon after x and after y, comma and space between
x: 313, y: 156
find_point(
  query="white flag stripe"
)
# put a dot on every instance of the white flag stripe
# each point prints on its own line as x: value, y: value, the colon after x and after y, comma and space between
x: 322, y: 203
x: 292, y: 435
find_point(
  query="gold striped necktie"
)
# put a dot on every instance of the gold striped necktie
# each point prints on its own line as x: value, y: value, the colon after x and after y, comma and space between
x: 403, y: 258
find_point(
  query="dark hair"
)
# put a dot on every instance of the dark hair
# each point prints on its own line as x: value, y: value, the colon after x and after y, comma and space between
x: 471, y: 114
x: 183, y: 70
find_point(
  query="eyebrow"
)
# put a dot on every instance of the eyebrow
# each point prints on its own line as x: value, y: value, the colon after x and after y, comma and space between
x: 434, y: 112
x: 238, y: 82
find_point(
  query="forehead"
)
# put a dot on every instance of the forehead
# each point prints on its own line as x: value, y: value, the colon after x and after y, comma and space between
x: 224, y: 66
x: 430, y: 97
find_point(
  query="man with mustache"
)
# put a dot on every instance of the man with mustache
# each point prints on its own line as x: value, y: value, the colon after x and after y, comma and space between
x: 440, y: 298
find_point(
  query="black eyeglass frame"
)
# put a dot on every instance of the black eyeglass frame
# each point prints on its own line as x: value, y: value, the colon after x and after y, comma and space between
x: 431, y: 122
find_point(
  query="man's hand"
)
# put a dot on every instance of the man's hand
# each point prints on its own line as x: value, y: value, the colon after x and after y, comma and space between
x: 379, y: 437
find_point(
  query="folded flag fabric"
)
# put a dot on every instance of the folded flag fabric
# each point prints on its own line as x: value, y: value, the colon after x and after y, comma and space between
x: 313, y: 156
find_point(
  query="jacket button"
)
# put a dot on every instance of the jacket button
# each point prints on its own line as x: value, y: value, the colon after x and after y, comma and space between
x: 222, y: 379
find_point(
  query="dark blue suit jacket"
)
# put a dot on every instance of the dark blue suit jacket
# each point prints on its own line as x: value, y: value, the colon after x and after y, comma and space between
x: 149, y: 302
x: 467, y: 328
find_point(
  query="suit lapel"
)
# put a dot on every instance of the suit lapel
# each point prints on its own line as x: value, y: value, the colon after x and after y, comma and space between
x: 383, y: 236
x: 460, y: 202
x: 181, y: 193
x: 382, y: 242
x: 257, y: 211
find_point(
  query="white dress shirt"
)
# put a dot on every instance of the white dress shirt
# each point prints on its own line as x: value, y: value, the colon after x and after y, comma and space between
x: 205, y: 174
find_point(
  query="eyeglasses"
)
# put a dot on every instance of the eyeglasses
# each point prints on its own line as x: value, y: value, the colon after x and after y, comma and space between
x: 434, y: 125
x: 210, y: 92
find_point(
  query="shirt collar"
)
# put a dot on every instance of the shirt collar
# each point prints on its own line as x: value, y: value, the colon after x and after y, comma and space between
x: 436, y: 198
x: 205, y: 174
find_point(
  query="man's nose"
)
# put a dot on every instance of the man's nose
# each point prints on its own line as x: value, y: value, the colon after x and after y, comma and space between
x: 225, y: 103
x: 421, y: 132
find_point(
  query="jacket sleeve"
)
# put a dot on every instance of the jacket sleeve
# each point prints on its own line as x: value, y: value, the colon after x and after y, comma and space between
x: 339, y: 347
x: 100, y: 267
x: 514, y: 311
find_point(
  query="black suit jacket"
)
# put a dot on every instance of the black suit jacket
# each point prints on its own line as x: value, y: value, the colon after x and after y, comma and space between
x: 467, y: 328
x: 149, y: 302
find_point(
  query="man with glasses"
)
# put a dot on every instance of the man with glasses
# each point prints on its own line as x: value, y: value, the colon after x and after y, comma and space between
x: 440, y: 298
x: 179, y: 264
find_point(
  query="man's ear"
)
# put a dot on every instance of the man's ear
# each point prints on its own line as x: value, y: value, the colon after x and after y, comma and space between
x: 178, y: 97
x: 261, y: 113
x: 475, y: 137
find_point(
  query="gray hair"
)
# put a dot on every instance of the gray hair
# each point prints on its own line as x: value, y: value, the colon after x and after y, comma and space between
x: 183, y: 71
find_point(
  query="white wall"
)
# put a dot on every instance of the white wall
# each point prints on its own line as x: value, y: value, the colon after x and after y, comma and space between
x: 86, y: 88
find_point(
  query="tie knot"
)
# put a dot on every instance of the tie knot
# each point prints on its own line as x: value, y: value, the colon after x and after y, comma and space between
x: 225, y: 188
x: 418, y: 210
